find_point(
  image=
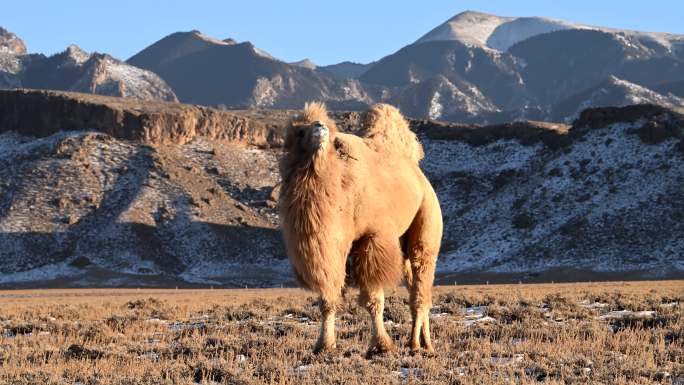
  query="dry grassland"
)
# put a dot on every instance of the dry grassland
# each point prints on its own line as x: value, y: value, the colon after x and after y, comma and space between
x: 604, y: 333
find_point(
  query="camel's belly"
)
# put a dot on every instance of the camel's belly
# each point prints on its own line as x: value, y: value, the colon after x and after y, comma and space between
x: 394, y: 198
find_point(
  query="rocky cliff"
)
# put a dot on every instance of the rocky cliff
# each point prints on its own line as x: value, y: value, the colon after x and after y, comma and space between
x: 43, y: 113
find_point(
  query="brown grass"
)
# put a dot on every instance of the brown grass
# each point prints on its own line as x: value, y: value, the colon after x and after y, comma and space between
x: 540, y: 333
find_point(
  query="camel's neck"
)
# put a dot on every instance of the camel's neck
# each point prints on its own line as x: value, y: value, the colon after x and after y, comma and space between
x: 312, y: 186
x: 310, y: 197
x: 314, y: 170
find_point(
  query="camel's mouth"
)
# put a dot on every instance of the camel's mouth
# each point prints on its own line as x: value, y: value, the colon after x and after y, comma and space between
x: 320, y: 135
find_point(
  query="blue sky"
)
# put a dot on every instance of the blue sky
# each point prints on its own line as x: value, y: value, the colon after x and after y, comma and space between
x: 324, y: 31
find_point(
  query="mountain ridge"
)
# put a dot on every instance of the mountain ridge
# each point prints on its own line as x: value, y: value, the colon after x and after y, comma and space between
x: 76, y: 70
x: 475, y: 67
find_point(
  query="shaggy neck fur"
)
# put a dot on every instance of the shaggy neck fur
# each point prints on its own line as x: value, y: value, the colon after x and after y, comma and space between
x: 310, y: 192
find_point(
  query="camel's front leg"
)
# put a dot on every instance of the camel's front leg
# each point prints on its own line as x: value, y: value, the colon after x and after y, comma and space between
x: 374, y: 301
x: 326, y: 340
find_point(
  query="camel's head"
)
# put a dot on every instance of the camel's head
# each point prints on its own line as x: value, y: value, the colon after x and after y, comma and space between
x: 310, y: 133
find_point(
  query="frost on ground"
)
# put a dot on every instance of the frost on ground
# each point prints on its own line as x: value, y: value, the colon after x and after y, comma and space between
x: 92, y: 210
x: 608, y: 202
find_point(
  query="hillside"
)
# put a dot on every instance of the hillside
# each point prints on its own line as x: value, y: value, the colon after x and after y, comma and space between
x: 131, y: 201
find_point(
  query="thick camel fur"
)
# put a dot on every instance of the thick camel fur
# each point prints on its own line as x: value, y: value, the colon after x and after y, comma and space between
x: 360, y: 200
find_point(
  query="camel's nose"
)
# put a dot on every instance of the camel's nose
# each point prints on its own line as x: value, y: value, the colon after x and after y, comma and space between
x: 319, y: 129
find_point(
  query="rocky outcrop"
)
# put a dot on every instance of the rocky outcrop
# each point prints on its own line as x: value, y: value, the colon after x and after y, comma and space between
x: 147, y: 121
x: 10, y: 43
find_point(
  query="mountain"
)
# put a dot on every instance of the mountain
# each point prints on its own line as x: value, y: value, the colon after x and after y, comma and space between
x: 473, y: 68
x: 612, y: 92
x: 558, y: 66
x: 675, y: 88
x: 478, y: 80
x: 76, y: 70
x: 501, y: 32
x: 486, y: 68
x: 305, y: 63
x: 204, y: 70
x: 136, y: 202
x: 495, y: 32
x: 11, y: 48
x: 10, y: 43
x: 347, y: 69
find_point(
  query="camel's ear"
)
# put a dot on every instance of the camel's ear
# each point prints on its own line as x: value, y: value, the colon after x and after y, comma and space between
x: 343, y: 149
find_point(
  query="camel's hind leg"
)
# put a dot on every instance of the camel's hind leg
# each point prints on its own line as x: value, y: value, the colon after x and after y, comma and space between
x: 374, y: 301
x: 377, y: 263
x: 422, y: 246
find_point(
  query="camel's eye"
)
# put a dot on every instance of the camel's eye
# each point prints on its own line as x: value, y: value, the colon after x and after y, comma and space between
x: 300, y: 133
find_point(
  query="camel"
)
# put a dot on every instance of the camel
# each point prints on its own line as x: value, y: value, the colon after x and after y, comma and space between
x: 360, y: 200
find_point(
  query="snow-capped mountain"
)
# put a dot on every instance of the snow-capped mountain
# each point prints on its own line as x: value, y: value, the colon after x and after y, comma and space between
x: 420, y: 76
x: 491, y: 31
x: 523, y: 67
x: 475, y: 67
x: 501, y: 33
x: 77, y: 70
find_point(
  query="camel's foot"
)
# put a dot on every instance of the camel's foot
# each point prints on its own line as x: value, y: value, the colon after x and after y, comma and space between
x: 324, y: 347
x: 427, y: 346
x: 421, y: 345
x: 381, y: 346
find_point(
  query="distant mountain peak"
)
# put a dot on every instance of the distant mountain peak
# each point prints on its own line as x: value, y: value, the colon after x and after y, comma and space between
x: 471, y: 13
x: 469, y: 27
x: 305, y: 63
x: 76, y: 54
x: 502, y: 32
x: 492, y: 31
x: 10, y: 43
x: 208, y: 38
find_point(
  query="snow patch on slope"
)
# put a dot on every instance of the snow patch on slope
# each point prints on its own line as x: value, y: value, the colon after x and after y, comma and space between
x: 469, y: 27
x: 512, y: 32
x: 500, y: 32
x: 618, y: 92
x: 605, y: 187
x: 210, y: 39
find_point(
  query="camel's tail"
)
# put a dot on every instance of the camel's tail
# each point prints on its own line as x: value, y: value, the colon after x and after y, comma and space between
x: 385, y: 129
